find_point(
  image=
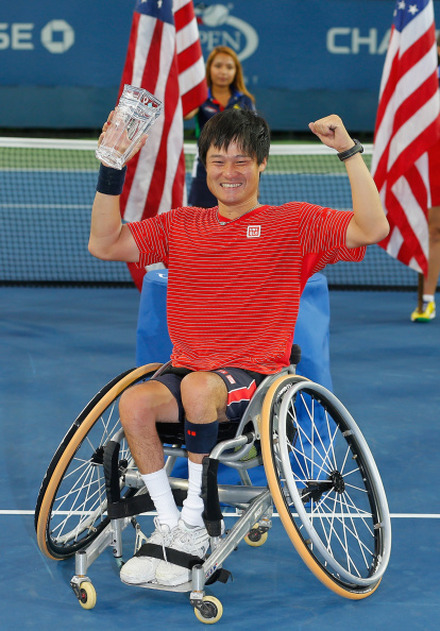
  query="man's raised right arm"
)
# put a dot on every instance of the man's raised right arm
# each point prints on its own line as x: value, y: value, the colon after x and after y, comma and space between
x: 109, y: 238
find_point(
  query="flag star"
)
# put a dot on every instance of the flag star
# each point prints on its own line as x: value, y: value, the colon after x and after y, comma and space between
x: 413, y: 9
x: 401, y: 4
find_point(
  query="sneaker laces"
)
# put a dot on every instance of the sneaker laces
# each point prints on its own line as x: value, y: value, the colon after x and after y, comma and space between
x: 160, y: 536
x: 185, y: 538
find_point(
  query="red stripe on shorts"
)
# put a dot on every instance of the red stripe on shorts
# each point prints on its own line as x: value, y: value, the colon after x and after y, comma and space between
x: 242, y: 394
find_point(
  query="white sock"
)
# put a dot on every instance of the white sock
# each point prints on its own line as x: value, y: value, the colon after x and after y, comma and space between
x: 193, y: 504
x: 428, y: 298
x: 160, y: 492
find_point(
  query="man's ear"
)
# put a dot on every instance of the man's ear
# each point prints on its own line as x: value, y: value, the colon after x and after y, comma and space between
x: 262, y: 166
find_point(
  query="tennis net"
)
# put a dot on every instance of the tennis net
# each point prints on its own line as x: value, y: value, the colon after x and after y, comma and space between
x: 47, y: 188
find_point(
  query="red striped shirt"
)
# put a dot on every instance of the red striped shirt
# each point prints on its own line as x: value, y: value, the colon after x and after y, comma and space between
x: 234, y: 289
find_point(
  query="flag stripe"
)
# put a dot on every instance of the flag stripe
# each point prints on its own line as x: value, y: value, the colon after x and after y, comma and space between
x: 186, y: 59
x: 164, y: 56
x: 407, y: 126
x: 407, y: 153
x: 183, y: 14
x: 420, y: 49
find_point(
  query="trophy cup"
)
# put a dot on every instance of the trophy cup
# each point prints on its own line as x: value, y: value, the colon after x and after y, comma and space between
x: 134, y: 115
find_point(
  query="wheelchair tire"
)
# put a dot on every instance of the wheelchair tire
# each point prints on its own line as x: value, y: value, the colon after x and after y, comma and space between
x: 325, y: 486
x: 71, y: 505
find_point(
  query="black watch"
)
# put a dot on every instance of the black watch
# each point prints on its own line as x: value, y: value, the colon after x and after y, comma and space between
x: 356, y: 148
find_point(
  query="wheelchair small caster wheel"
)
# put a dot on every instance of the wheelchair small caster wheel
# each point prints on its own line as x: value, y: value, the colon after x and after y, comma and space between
x: 209, y: 611
x: 119, y: 562
x: 256, y: 536
x: 87, y: 595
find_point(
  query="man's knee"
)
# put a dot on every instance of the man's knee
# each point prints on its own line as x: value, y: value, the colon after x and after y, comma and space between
x: 204, y: 396
x: 141, y: 405
x: 132, y: 404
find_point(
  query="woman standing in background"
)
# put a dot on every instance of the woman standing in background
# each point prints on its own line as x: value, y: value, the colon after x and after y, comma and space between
x: 226, y: 89
x: 425, y: 310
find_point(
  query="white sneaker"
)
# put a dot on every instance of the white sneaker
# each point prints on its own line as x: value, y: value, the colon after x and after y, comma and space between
x: 194, y: 541
x: 142, y: 569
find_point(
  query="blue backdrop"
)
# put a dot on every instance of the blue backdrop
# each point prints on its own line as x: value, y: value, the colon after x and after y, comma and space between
x: 61, y: 61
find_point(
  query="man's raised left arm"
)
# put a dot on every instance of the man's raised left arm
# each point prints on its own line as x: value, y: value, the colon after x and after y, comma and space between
x: 369, y: 223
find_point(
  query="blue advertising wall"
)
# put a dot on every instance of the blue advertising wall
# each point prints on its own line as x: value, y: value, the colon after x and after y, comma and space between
x: 61, y: 61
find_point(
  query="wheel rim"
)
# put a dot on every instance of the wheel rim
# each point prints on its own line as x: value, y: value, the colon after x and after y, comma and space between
x: 343, y: 518
x: 71, y: 509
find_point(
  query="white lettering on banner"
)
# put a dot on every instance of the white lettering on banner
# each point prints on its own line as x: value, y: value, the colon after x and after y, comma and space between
x: 4, y: 37
x: 20, y: 37
x: 342, y: 40
x: 57, y: 36
x: 50, y: 36
x: 211, y: 39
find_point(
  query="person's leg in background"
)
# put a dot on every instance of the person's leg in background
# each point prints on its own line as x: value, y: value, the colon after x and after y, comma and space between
x: 427, y: 311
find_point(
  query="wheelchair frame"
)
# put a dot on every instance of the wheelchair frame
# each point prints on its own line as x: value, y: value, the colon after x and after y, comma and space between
x: 321, y: 477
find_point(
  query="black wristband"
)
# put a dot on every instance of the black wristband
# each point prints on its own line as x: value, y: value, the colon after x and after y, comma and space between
x: 356, y: 148
x: 110, y: 181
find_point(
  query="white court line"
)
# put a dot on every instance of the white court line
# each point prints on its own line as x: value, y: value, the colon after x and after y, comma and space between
x: 232, y: 514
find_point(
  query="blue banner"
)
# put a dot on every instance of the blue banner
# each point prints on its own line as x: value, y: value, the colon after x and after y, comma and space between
x: 301, y: 59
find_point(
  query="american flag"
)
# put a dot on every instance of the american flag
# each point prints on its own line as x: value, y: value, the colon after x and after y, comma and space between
x: 407, y: 125
x: 165, y: 57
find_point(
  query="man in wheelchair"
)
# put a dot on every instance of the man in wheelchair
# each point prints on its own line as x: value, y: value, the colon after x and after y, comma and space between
x: 236, y: 273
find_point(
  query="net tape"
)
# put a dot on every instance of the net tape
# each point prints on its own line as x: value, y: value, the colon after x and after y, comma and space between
x: 47, y: 188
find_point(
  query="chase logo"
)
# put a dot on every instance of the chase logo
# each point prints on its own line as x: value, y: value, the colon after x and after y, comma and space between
x: 57, y: 36
x: 223, y: 29
x: 253, y: 232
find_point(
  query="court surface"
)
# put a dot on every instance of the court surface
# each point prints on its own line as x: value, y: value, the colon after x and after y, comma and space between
x: 58, y: 346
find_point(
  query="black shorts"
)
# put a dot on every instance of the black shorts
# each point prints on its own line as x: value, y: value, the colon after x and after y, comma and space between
x: 240, y: 384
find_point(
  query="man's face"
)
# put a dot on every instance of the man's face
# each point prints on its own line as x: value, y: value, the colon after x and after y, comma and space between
x: 232, y: 175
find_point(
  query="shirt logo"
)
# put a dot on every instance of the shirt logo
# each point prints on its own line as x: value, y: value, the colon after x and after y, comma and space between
x: 253, y: 232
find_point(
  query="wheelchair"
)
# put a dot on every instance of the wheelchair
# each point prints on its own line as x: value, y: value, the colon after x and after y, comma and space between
x: 321, y: 479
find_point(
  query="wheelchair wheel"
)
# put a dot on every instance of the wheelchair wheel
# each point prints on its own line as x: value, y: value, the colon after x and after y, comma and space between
x: 326, y: 486
x: 71, y: 504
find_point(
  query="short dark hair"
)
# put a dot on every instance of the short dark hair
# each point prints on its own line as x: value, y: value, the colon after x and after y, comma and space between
x: 249, y: 130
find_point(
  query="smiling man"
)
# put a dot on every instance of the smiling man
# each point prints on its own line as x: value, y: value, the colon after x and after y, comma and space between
x: 236, y: 273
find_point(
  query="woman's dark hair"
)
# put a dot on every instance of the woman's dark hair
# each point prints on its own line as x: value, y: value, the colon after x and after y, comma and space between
x: 249, y: 130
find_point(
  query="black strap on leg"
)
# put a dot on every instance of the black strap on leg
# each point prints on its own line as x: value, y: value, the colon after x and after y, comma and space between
x: 133, y: 503
x: 212, y: 514
x: 111, y: 471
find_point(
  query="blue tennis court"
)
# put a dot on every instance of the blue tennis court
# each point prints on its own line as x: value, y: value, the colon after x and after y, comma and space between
x: 59, y: 346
